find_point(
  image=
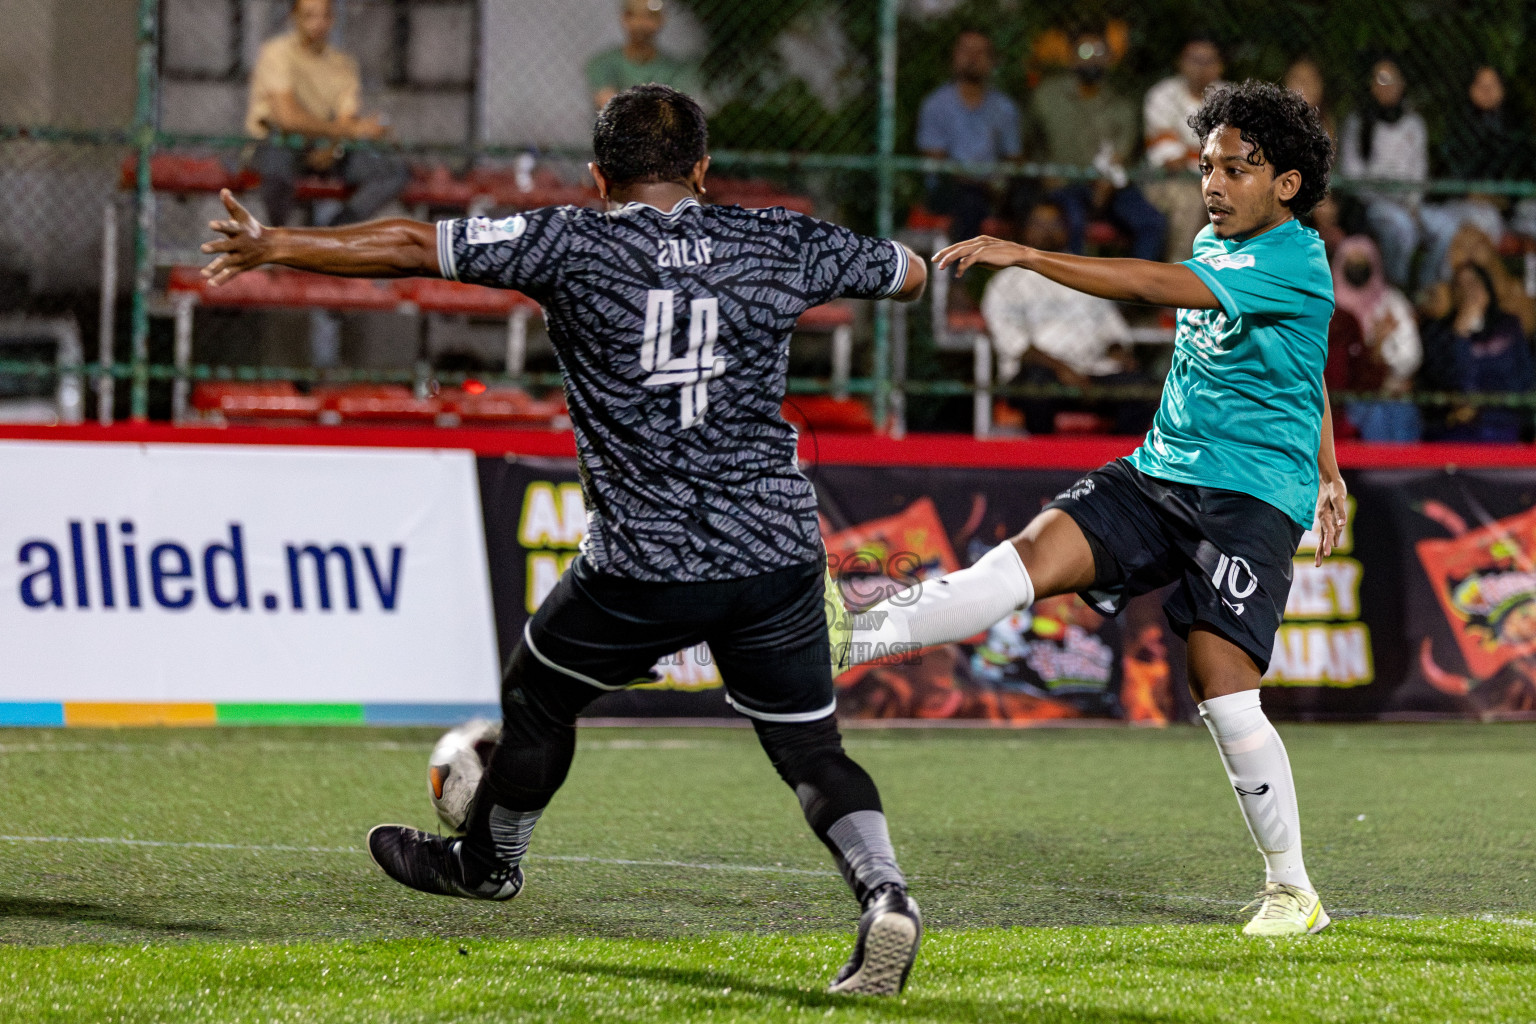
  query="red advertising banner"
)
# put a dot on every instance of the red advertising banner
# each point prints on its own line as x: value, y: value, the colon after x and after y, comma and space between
x: 1427, y: 608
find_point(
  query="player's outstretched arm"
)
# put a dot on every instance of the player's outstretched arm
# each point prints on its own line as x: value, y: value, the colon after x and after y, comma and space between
x: 1143, y: 281
x: 1332, y: 508
x: 381, y: 248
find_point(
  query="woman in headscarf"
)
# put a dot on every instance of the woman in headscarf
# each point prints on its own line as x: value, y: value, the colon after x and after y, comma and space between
x: 1388, y: 351
x: 1385, y: 138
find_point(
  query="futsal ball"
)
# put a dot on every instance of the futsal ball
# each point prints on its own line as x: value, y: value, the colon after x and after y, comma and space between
x: 455, y: 767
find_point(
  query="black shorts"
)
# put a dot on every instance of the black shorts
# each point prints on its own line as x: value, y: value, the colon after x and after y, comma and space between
x: 768, y: 635
x: 1229, y: 552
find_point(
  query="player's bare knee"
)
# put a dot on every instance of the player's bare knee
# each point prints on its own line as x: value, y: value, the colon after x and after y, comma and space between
x: 1055, y: 554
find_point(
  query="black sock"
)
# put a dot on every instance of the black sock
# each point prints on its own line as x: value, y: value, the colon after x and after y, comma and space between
x: 530, y: 762
x: 839, y: 799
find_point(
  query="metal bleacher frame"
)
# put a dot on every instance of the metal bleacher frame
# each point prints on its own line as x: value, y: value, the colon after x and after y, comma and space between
x: 181, y: 175
x: 185, y: 291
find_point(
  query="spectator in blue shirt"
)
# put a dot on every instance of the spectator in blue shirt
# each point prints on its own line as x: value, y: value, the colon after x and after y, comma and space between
x: 967, y: 119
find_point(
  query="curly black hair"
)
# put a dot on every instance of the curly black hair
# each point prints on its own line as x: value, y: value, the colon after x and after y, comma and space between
x: 649, y: 133
x: 1285, y: 130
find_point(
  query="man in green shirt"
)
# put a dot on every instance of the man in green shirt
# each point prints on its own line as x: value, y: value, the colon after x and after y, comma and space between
x: 1082, y: 122
x: 638, y: 61
x: 1239, y: 462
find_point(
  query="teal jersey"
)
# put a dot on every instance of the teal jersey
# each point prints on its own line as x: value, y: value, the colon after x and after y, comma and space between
x: 1242, y: 408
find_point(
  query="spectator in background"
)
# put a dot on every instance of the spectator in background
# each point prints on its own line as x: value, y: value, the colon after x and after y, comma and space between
x: 967, y: 119
x: 302, y: 85
x: 1387, y: 353
x: 1047, y: 333
x: 1305, y: 79
x: 1051, y: 50
x: 1477, y: 349
x: 1083, y: 122
x: 638, y: 61
x: 1387, y: 139
x: 1480, y: 145
x: 1471, y: 245
x: 1173, y: 148
x: 1345, y: 369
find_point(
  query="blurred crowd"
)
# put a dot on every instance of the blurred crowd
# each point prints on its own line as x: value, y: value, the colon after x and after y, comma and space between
x: 1426, y: 297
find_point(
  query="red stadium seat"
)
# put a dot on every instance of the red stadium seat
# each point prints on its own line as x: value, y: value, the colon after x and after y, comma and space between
x: 504, y: 406
x: 437, y: 187
x: 502, y: 187
x: 434, y: 187
x: 181, y: 174
x: 434, y: 296
x: 254, y: 400
x: 824, y: 412
x: 378, y: 402
x: 273, y: 288
x: 184, y: 174
x: 313, y: 187
x: 1068, y: 422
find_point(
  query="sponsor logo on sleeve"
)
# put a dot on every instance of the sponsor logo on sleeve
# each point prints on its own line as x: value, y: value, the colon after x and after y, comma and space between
x: 1227, y: 260
x: 483, y: 230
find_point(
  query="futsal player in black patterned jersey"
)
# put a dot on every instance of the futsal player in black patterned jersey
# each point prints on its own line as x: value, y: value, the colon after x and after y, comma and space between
x: 671, y: 321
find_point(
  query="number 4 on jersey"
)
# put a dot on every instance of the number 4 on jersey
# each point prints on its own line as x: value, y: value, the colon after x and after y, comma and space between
x: 695, y: 368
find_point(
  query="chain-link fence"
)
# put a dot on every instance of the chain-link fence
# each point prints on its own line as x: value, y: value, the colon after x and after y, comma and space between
x: 486, y: 106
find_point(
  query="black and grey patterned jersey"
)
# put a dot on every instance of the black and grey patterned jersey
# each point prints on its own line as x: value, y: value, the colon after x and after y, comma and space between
x: 672, y: 330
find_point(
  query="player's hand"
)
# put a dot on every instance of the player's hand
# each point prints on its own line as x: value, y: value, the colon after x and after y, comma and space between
x: 1332, y: 514
x: 243, y: 247
x: 983, y: 250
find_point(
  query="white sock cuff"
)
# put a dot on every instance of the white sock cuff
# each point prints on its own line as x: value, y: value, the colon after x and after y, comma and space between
x: 1237, y: 721
x: 1004, y: 563
x: 1230, y: 706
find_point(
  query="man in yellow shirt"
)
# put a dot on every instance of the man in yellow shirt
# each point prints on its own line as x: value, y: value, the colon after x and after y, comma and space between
x: 304, y: 86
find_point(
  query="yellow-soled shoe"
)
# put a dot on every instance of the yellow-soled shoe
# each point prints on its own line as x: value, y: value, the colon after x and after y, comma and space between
x: 1287, y: 910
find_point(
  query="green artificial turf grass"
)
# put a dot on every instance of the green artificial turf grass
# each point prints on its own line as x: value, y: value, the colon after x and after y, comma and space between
x: 688, y: 836
x: 1367, y: 971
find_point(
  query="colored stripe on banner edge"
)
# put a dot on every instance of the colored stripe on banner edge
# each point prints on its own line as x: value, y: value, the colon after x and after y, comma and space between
x: 119, y: 714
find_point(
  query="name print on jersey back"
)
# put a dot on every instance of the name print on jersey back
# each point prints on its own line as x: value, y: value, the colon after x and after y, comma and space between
x: 672, y: 330
x: 684, y: 252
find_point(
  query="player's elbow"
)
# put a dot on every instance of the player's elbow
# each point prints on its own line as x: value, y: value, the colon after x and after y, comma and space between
x: 411, y: 248
x: 917, y: 279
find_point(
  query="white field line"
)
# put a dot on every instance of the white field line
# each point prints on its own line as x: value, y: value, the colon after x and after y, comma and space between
x: 766, y: 869
x: 280, y: 848
x: 164, y: 844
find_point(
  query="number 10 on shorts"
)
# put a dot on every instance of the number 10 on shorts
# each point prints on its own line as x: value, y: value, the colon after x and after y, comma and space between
x: 694, y: 369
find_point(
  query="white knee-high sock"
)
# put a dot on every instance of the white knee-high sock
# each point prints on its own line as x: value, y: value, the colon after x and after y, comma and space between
x: 1260, y: 772
x: 947, y: 609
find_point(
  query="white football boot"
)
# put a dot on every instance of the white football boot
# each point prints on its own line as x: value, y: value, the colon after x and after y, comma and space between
x: 1287, y: 910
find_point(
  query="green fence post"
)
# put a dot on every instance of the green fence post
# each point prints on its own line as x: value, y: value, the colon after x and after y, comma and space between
x: 885, y: 209
x: 144, y: 202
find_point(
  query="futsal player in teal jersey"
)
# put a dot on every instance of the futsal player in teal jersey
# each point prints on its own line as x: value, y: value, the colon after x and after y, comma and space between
x: 1239, y: 462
